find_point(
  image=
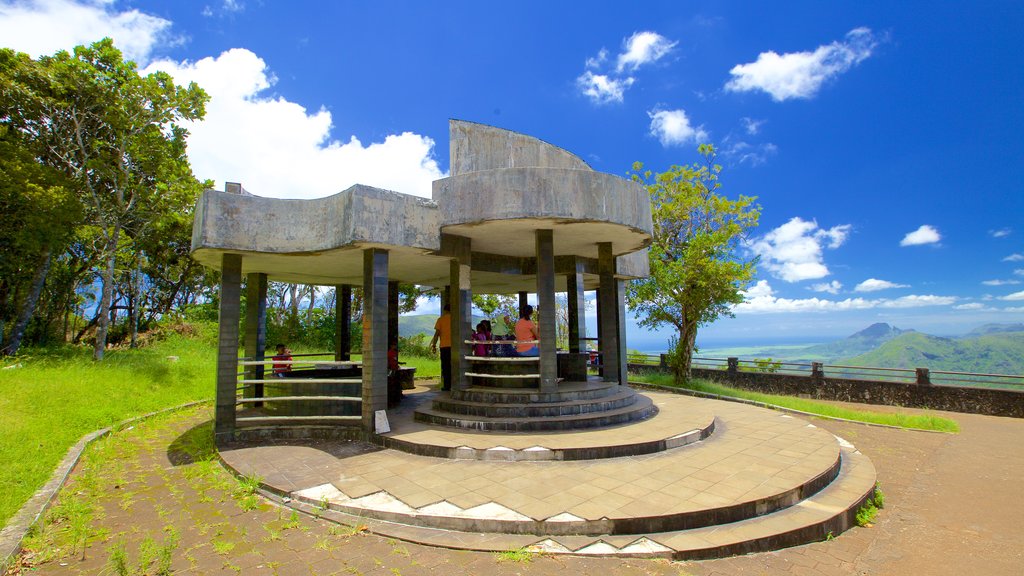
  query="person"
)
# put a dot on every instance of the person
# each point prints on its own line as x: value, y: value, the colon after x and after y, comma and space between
x: 393, y: 363
x: 282, y: 361
x: 481, y: 334
x: 443, y: 335
x: 526, y: 331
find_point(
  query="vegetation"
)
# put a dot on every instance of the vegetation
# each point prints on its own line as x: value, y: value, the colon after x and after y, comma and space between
x: 697, y: 271
x: 866, y: 514
x: 913, y: 421
x: 993, y: 353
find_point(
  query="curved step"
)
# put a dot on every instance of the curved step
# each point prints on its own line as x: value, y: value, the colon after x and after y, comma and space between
x: 567, y: 391
x: 621, y: 399
x: 640, y: 409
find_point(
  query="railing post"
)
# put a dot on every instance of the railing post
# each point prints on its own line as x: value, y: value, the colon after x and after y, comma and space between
x: 734, y: 365
x: 924, y: 377
x: 817, y: 373
x: 663, y: 361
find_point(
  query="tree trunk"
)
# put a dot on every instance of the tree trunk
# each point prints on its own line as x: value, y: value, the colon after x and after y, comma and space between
x: 29, y: 307
x: 135, y: 308
x: 107, y: 295
x: 682, y: 352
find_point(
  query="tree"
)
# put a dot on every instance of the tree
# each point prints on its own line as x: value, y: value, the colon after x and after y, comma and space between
x: 698, y: 270
x: 114, y: 133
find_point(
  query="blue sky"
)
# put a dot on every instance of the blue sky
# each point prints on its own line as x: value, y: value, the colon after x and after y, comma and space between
x: 882, y: 139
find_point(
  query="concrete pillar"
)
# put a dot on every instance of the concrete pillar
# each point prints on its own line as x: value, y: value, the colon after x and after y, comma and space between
x: 392, y: 312
x: 227, y: 347
x: 577, y: 306
x: 733, y: 365
x: 817, y: 373
x: 620, y: 329
x: 255, y: 329
x: 461, y: 294
x: 924, y: 377
x: 614, y: 362
x: 600, y: 333
x: 523, y: 301
x: 375, y: 334
x: 546, y: 303
x: 342, y: 322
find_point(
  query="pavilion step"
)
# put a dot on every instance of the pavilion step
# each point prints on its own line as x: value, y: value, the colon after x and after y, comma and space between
x: 622, y: 398
x: 822, y: 515
x: 566, y: 392
x: 642, y: 408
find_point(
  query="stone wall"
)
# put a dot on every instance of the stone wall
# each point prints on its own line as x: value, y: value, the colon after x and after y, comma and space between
x: 989, y: 401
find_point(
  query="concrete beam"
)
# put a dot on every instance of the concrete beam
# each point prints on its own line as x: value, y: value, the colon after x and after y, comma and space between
x: 375, y: 334
x: 227, y: 347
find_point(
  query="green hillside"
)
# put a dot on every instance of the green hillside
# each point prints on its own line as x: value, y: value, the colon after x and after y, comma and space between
x: 413, y: 324
x: 992, y: 353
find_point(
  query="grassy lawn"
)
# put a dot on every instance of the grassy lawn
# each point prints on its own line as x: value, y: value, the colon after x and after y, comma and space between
x: 50, y: 398
x: 56, y: 396
x: 913, y: 421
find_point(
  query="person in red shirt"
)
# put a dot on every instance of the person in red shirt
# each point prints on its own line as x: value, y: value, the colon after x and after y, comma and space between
x: 282, y: 361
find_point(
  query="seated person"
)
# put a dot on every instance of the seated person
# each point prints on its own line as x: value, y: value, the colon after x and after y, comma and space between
x: 282, y: 361
x: 526, y: 333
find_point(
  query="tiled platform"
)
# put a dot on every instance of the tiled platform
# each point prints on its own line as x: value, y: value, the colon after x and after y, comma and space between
x: 761, y: 480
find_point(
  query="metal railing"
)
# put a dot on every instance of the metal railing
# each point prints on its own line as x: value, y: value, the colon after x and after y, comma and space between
x: 875, y: 373
x: 252, y: 390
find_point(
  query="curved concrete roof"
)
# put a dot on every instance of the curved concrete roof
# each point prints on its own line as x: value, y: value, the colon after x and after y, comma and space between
x: 503, y: 186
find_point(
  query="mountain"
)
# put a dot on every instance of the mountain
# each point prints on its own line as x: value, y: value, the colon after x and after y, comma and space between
x: 412, y: 324
x: 862, y: 342
x: 997, y: 352
x: 995, y: 329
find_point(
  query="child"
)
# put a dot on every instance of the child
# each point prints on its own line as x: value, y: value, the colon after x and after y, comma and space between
x: 284, y: 355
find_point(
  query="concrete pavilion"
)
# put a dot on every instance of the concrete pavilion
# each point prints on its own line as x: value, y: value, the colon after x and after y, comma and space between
x: 517, y: 215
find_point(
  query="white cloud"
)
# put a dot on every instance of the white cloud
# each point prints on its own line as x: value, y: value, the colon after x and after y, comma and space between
x: 752, y: 154
x: 643, y: 48
x: 751, y: 126
x: 924, y: 235
x: 42, y: 27
x: 1000, y: 282
x: 1014, y: 258
x: 596, y: 62
x: 275, y: 147
x: 1014, y: 309
x: 1019, y: 271
x: 874, y: 285
x: 1001, y: 233
x: 672, y: 128
x: 793, y: 251
x: 603, y: 89
x: 972, y: 306
x: 832, y: 287
x: 801, y: 74
x: 761, y: 299
x: 1014, y: 297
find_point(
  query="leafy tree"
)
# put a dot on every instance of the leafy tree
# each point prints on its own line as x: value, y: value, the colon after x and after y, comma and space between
x: 698, y: 270
x: 114, y: 133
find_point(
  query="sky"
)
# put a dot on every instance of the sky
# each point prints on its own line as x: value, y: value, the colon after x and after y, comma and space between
x: 881, y: 139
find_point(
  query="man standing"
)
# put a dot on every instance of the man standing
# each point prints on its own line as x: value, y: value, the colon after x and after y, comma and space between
x: 443, y: 332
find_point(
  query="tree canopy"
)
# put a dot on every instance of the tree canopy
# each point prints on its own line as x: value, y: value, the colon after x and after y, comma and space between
x: 698, y: 266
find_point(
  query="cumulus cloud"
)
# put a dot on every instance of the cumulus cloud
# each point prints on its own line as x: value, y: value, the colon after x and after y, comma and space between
x: 793, y: 251
x: 603, y: 89
x: 924, y: 235
x: 609, y: 86
x: 1000, y: 282
x: 1001, y: 233
x: 761, y: 299
x: 874, y: 285
x: 745, y: 153
x: 1014, y: 258
x: 832, y: 287
x: 643, y: 48
x: 1014, y: 297
x: 801, y: 74
x: 68, y: 23
x: 975, y: 306
x: 278, y: 148
x: 672, y: 128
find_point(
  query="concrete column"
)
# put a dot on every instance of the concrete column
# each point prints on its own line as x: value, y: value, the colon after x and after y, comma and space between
x: 460, y: 249
x: 227, y: 347
x: 342, y: 322
x: 600, y: 332
x: 609, y: 310
x: 546, y: 303
x: 392, y: 312
x: 733, y: 365
x: 620, y: 325
x: 255, y: 329
x: 577, y: 306
x: 924, y: 377
x: 523, y: 301
x: 375, y: 334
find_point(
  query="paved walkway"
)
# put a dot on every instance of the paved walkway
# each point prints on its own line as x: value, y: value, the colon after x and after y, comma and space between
x: 952, y: 507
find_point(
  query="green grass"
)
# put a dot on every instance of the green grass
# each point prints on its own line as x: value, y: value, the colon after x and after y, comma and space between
x: 58, y: 395
x: 912, y: 421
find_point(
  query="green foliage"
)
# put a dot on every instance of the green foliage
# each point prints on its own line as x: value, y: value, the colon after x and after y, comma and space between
x: 902, y: 420
x: 866, y: 514
x: 697, y: 270
x: 518, y: 556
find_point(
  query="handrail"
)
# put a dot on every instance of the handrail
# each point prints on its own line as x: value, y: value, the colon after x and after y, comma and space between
x: 293, y: 362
